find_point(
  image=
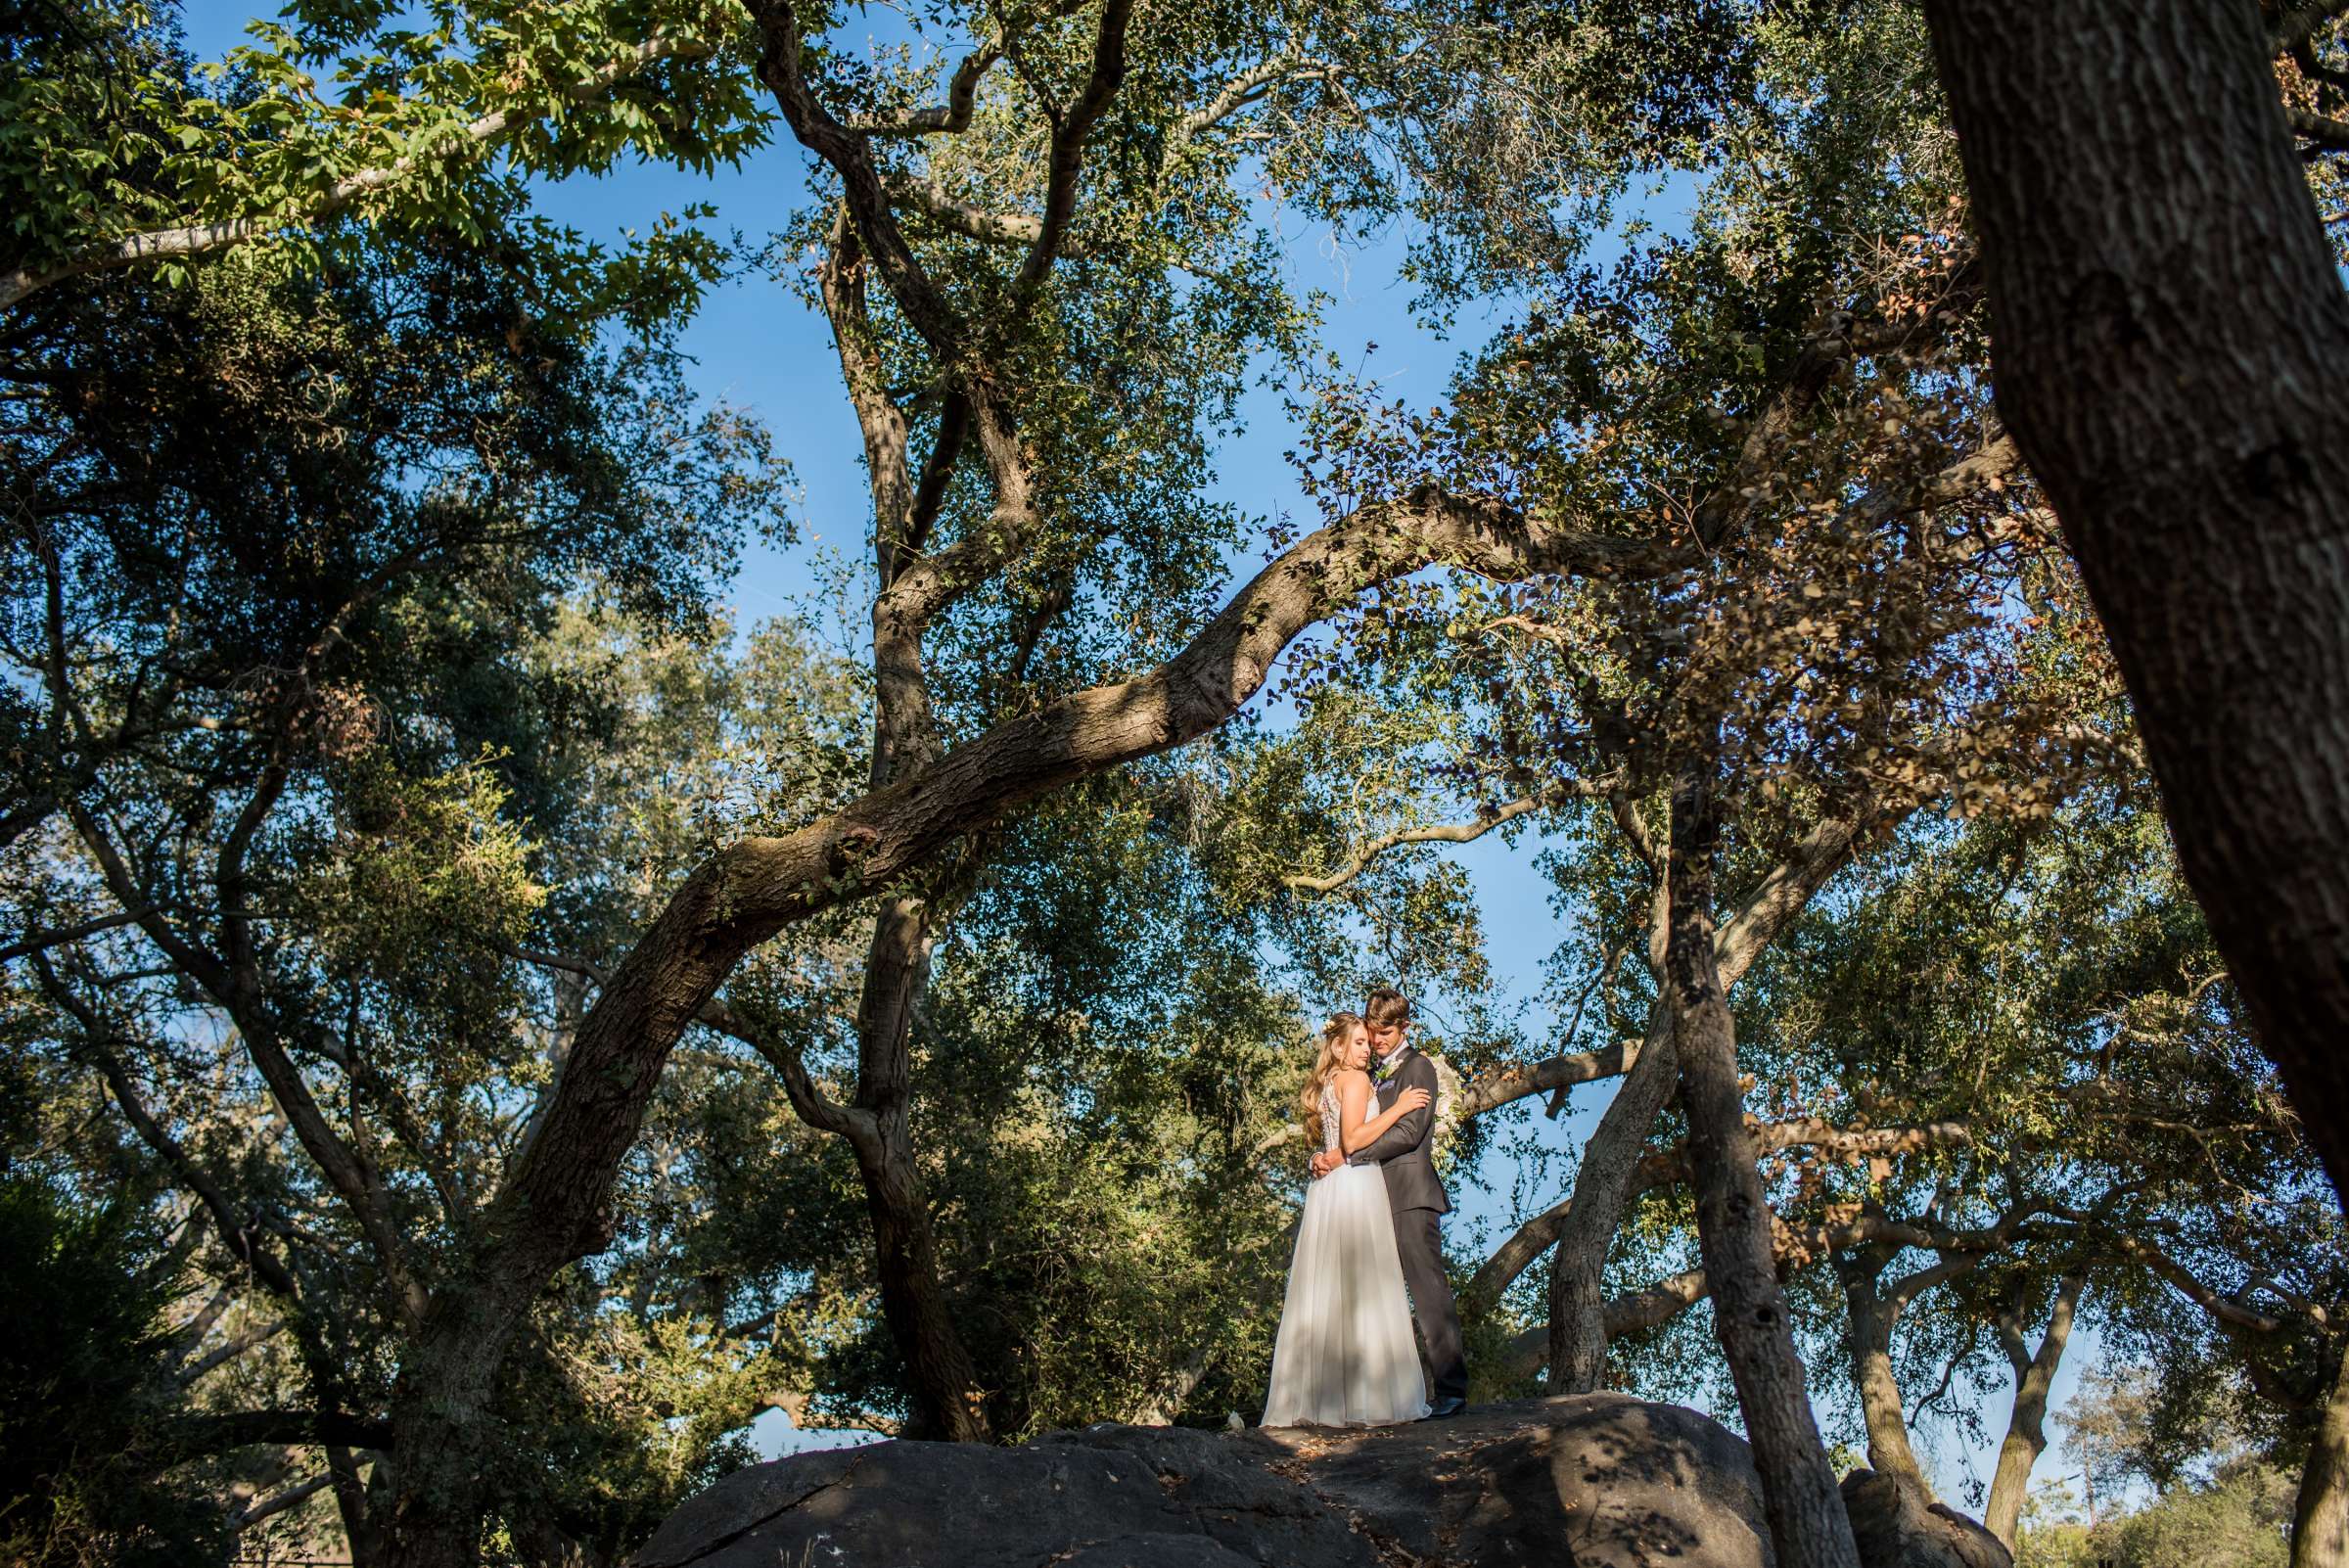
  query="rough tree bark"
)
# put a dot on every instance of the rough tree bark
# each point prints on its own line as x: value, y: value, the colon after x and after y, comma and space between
x: 1603, y: 1182
x: 2320, y: 1514
x: 1874, y: 1306
x: 1807, y: 1519
x: 941, y: 1379
x: 2026, y: 1428
x: 1603, y: 1186
x: 1871, y: 1316
x: 2171, y: 348
x: 913, y: 1298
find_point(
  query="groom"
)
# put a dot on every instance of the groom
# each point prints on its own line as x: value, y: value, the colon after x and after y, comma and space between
x: 1414, y: 1192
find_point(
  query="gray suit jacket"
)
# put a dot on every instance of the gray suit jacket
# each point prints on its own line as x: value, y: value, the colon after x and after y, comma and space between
x: 1405, y: 1147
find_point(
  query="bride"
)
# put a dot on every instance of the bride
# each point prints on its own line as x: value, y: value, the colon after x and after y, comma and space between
x: 1344, y: 1356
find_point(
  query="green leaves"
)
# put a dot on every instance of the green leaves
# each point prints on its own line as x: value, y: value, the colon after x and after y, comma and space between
x: 118, y: 150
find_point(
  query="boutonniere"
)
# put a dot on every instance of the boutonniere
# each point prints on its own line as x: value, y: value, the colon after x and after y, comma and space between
x: 1386, y: 1068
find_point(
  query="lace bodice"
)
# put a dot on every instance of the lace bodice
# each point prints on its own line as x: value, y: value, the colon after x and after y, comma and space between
x: 1331, y: 1143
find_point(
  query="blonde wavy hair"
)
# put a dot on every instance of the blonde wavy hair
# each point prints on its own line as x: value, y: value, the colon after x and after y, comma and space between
x: 1334, y: 1036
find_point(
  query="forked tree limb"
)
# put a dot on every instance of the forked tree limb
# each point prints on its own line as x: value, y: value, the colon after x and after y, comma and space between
x: 848, y: 151
x: 962, y: 88
x: 1793, y: 1246
x: 807, y: 1098
x: 1071, y: 130
x: 1468, y: 832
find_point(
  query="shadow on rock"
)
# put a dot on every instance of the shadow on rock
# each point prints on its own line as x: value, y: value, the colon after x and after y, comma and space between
x: 1585, y: 1481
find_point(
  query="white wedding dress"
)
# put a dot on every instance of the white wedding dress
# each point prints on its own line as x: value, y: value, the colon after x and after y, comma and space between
x: 1344, y: 1356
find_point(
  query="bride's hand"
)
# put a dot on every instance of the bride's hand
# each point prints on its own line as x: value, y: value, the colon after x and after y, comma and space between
x: 1411, y: 1099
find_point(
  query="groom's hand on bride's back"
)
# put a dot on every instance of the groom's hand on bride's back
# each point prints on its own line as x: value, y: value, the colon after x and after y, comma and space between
x: 1325, y: 1161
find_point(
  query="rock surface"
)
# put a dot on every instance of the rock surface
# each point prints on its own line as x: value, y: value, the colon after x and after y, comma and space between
x: 1895, y: 1526
x: 1166, y: 1498
x: 1592, y: 1480
x: 1587, y: 1481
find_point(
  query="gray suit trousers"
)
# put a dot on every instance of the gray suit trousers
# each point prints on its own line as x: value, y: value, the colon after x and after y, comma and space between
x: 1420, y: 1202
x: 1419, y: 1238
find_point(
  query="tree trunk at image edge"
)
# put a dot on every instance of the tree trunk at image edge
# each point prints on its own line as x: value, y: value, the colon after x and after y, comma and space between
x: 2321, y: 1516
x: 1807, y: 1519
x: 2171, y: 351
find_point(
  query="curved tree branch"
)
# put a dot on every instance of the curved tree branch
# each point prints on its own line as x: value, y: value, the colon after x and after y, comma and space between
x: 1069, y: 136
x: 1246, y: 88
x: 1485, y: 821
x: 1794, y: 1248
x: 2318, y: 130
x: 807, y: 1098
x: 236, y: 1429
x: 552, y: 1205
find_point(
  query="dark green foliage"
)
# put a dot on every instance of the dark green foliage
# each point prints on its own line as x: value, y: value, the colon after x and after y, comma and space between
x: 83, y: 1383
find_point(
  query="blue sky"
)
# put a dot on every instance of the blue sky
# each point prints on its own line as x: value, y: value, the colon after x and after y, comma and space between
x: 756, y: 347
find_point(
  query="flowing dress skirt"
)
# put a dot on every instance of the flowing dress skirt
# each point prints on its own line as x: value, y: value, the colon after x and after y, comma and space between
x: 1344, y: 1356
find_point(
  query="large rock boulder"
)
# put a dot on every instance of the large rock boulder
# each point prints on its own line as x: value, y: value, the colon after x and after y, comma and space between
x: 1157, y: 1498
x: 1590, y: 1480
x: 1587, y: 1481
x: 1897, y: 1526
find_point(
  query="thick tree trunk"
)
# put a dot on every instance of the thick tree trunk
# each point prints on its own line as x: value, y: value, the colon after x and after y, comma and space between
x: 1807, y: 1520
x: 1871, y: 1316
x: 2171, y: 352
x: 2321, y: 1517
x: 905, y: 740
x: 2026, y: 1429
x: 941, y: 1379
x: 445, y: 1436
